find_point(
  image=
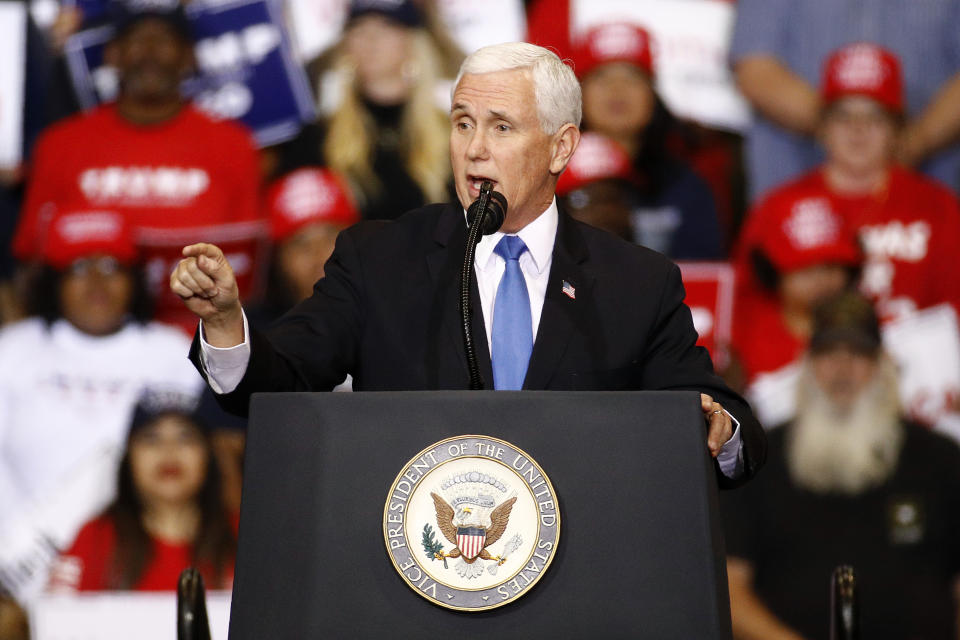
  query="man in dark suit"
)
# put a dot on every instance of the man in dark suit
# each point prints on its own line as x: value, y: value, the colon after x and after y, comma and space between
x: 564, y: 306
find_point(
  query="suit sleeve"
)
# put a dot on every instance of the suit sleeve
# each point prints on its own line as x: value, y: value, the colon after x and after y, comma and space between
x: 673, y: 361
x: 311, y: 348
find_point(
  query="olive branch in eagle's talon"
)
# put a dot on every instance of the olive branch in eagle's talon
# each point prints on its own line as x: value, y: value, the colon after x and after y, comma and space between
x: 432, y: 546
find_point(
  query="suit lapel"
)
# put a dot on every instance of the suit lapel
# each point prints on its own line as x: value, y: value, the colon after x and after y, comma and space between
x: 564, y: 306
x: 444, y: 263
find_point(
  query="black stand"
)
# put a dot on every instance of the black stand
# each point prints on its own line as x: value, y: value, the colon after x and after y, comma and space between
x: 466, y: 273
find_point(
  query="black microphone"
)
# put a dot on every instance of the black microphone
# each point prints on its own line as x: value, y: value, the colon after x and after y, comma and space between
x: 487, y: 213
x: 494, y: 204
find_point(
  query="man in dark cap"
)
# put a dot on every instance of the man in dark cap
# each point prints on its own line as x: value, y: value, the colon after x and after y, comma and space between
x: 848, y: 481
x: 173, y: 172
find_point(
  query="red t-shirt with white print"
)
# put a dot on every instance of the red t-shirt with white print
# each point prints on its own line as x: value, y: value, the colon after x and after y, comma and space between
x: 908, y: 232
x: 188, y: 179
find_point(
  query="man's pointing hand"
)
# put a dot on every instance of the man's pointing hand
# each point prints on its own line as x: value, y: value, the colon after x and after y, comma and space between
x: 205, y: 282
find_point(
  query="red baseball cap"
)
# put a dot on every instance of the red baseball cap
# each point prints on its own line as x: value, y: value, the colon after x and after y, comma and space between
x: 596, y: 158
x: 614, y: 42
x: 306, y: 196
x: 75, y: 234
x: 864, y: 69
x: 804, y: 232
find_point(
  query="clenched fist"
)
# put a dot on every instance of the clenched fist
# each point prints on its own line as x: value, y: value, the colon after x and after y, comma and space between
x: 205, y: 282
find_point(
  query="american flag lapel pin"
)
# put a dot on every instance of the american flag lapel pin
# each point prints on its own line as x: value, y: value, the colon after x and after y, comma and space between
x: 569, y: 290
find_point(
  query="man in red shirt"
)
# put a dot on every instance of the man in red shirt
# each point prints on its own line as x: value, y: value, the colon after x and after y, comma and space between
x: 908, y: 224
x: 176, y: 174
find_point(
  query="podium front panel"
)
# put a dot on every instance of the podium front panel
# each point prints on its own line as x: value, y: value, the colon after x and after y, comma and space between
x: 640, y: 551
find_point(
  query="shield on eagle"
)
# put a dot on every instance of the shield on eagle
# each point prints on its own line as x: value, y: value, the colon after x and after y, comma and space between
x: 471, y: 540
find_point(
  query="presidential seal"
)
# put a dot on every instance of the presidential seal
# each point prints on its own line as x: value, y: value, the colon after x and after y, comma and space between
x: 471, y: 523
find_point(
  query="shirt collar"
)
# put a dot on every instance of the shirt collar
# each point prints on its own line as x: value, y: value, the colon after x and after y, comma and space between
x: 539, y: 236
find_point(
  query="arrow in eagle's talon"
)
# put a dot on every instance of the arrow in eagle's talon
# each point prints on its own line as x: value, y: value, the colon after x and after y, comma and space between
x: 510, y: 547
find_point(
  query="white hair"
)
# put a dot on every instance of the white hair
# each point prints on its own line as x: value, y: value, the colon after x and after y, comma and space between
x: 832, y: 450
x: 554, y: 84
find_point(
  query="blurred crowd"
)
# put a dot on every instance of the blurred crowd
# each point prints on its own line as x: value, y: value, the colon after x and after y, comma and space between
x: 804, y: 155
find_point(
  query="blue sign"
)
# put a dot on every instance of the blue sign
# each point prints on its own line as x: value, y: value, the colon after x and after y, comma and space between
x: 92, y: 10
x: 245, y: 68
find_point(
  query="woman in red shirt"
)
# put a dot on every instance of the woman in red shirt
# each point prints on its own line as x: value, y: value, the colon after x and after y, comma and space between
x: 168, y: 514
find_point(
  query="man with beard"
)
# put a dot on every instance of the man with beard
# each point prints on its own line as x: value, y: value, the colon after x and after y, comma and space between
x: 848, y: 482
x: 173, y: 172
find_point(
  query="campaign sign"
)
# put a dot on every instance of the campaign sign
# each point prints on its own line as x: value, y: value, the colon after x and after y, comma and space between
x: 709, y: 287
x: 246, y: 69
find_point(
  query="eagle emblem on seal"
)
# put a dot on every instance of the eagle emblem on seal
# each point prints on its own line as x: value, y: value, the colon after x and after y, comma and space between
x: 469, y: 536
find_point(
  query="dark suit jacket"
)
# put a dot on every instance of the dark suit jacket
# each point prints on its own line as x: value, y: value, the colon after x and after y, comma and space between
x: 387, y: 312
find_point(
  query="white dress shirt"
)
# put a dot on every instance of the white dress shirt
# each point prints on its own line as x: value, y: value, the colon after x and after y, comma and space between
x: 225, y: 367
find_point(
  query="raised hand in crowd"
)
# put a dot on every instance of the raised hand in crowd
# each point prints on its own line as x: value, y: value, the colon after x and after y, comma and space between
x: 69, y: 20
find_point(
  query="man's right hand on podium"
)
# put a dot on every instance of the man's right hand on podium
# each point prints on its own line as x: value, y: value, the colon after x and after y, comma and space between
x: 205, y: 282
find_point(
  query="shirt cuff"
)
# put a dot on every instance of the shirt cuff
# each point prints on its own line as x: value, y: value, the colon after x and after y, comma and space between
x: 730, y: 457
x: 225, y: 367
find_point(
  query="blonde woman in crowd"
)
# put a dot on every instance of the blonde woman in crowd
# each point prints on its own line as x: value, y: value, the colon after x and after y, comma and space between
x: 387, y: 134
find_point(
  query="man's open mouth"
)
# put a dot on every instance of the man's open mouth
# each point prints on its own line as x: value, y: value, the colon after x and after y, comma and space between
x: 477, y: 181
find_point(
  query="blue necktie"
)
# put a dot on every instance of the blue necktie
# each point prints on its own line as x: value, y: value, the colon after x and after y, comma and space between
x: 512, y: 335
